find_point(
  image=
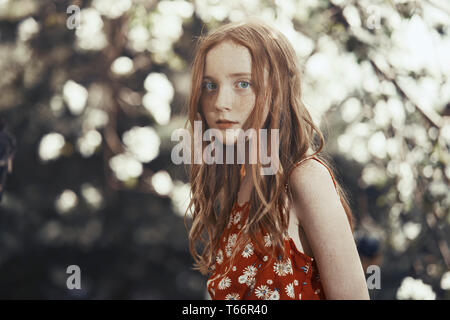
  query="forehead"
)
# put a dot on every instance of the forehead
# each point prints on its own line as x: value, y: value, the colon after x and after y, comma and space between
x: 227, y: 57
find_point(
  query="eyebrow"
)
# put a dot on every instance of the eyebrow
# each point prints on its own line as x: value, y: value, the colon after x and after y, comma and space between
x: 231, y: 75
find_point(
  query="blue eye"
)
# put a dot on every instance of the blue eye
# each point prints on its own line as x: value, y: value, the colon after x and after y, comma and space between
x: 209, y: 85
x: 246, y: 84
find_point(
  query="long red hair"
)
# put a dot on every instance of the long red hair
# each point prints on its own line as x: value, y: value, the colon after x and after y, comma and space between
x: 214, y: 187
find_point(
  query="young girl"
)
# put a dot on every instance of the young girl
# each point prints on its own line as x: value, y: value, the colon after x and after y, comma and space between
x: 264, y: 236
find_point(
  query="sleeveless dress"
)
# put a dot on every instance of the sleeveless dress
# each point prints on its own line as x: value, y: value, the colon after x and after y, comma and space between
x: 251, y: 277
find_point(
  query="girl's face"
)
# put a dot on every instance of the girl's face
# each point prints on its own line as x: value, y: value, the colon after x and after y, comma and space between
x: 228, y: 97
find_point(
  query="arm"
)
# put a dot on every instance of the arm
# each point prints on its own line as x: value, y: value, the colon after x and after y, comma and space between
x: 323, y: 218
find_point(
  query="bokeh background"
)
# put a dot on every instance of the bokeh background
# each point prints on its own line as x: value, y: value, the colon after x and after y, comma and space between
x: 92, y: 97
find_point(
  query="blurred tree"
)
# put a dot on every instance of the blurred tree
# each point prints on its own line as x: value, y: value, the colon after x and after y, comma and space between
x: 7, y: 152
x: 93, y: 108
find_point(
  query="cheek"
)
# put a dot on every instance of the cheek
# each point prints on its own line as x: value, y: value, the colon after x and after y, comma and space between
x: 205, y: 109
x: 203, y: 105
x: 207, y: 105
x: 247, y: 104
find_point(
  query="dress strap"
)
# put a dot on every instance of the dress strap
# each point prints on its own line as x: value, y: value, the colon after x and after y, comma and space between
x: 331, y: 173
x: 299, y: 162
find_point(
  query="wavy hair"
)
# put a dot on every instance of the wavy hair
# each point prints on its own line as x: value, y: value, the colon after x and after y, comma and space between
x: 214, y: 187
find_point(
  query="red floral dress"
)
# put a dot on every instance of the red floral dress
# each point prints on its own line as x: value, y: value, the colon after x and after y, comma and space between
x: 251, y: 277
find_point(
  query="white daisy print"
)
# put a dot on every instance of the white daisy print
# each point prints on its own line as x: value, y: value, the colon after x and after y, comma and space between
x: 224, y: 283
x: 290, y: 290
x: 248, y: 277
x: 248, y: 250
x: 300, y: 296
x: 250, y: 271
x: 237, y: 217
x: 283, y: 268
x: 232, y: 296
x: 231, y: 242
x: 274, y: 295
x: 269, y: 281
x: 232, y: 239
x: 263, y: 292
x: 267, y: 241
x: 287, y: 266
x: 228, y: 251
x: 230, y: 221
x: 248, y: 280
x: 219, y: 256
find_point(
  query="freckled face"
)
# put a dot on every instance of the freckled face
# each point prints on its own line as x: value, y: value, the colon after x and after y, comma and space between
x: 227, y: 96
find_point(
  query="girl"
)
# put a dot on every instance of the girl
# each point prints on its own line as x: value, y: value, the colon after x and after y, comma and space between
x: 265, y: 236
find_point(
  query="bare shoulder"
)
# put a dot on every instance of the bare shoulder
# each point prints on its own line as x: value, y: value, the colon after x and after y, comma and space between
x: 324, y: 220
x: 311, y: 185
x: 310, y: 173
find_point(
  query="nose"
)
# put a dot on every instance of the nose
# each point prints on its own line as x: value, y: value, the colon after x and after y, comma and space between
x: 224, y: 99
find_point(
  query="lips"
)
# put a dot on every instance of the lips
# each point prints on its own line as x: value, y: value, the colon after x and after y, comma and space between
x: 224, y: 124
x: 225, y: 121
